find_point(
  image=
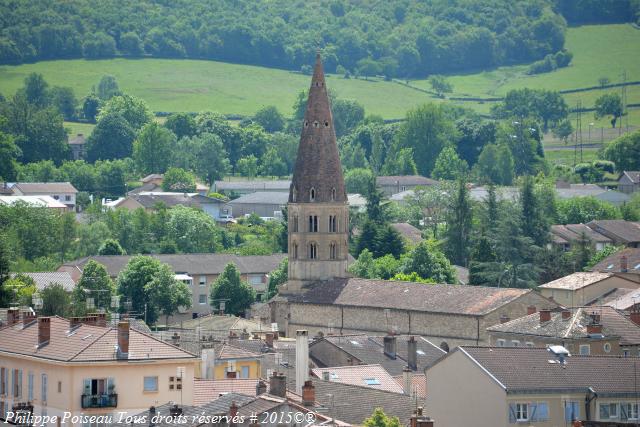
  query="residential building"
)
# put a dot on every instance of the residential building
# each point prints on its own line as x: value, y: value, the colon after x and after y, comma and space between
x: 584, y: 288
x: 629, y: 182
x: 44, y: 279
x: 396, y: 184
x: 373, y: 376
x: 447, y: 315
x: 226, y: 361
x: 622, y: 299
x: 357, y: 202
x: 38, y: 201
x: 63, y: 192
x: 77, y: 145
x: 153, y: 183
x: 265, y: 204
x: 621, y: 232
x: 240, y: 188
x: 509, y: 386
x: 596, y: 330
x: 411, y: 234
x: 204, y: 269
x: 149, y: 200
x: 60, y: 365
x: 569, y: 235
x: 625, y: 263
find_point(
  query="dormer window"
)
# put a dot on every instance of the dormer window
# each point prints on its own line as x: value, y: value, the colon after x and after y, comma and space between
x: 326, y: 124
x: 312, y: 194
x: 306, y: 124
x: 316, y: 124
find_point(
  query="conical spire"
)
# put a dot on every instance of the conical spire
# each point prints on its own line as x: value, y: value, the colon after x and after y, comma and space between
x: 318, y: 174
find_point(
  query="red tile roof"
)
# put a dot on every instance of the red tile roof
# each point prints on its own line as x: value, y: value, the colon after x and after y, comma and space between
x: 205, y: 390
x: 372, y: 376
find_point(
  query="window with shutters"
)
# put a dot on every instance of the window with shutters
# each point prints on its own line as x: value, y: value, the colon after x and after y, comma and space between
x: 3, y: 381
x: 571, y: 411
x: 17, y: 383
x: 30, y: 386
x: 522, y: 412
x: 43, y: 388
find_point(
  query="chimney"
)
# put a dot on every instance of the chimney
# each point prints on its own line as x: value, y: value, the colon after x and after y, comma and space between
x: 406, y: 380
x: 634, y: 316
x: 245, y: 335
x: 175, y: 410
x: 261, y: 388
x: 100, y: 319
x: 74, y: 322
x: 545, y: 316
x: 91, y: 320
x: 623, y: 264
x: 28, y: 316
x: 308, y: 393
x: 419, y: 420
x: 531, y: 309
x: 13, y: 316
x: 390, y: 346
x: 278, y: 385
x: 232, y: 335
x: 302, y: 359
x: 44, y: 331
x: 504, y: 318
x: 123, y: 339
x: 412, y: 353
x: 152, y: 416
x: 268, y: 337
x: 233, y: 409
x: 566, y: 314
x: 594, y: 329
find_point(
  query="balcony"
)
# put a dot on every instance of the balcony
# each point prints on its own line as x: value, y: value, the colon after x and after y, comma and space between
x: 99, y: 400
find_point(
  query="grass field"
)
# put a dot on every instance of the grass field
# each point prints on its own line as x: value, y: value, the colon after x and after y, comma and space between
x: 76, y: 128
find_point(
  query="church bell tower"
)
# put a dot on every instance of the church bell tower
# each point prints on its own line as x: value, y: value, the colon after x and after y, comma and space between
x: 318, y: 211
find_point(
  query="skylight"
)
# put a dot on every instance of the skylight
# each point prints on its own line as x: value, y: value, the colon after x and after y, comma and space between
x: 356, y: 343
x: 610, y: 266
x: 372, y: 381
x: 334, y: 376
x: 420, y: 352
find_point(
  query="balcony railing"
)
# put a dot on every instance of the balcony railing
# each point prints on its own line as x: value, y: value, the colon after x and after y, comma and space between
x: 100, y: 400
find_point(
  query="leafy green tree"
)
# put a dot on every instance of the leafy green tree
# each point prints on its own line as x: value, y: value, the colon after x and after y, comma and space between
x: 167, y: 294
x: 134, y: 110
x: 9, y: 153
x: 99, y: 45
x: 131, y: 44
x: 624, y: 152
x: 5, y: 267
x: 231, y: 136
x: 90, y: 107
x: 112, y: 138
x: 459, y: 224
x: 56, y: 301
x: 193, y: 230
x: 181, y: 124
x: 358, y: 180
x: 428, y: 262
x: 178, y: 180
x: 272, y: 164
x: 609, y: 104
x: 440, y: 85
x: 248, y: 166
x: 111, y: 247
x: 152, y: 149
x: 400, y: 162
x: 380, y: 419
x: 534, y: 224
x: 495, y: 165
x: 20, y: 289
x: 581, y: 210
x: 65, y: 101
x: 427, y: 131
x: 270, y: 119
x: 563, y: 131
x: 474, y: 136
x: 237, y: 294
x: 36, y: 90
x: 95, y: 283
x: 548, y: 107
x: 581, y: 252
x: 108, y: 88
x: 448, y: 165
x: 347, y: 114
x: 277, y: 278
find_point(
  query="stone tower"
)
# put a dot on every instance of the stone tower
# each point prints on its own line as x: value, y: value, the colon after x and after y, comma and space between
x: 318, y: 212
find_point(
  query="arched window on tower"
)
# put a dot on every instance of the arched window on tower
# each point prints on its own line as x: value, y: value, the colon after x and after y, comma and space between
x: 313, y: 251
x: 294, y: 250
x: 294, y: 226
x: 312, y: 194
x: 333, y: 194
x: 313, y: 223
x: 333, y: 250
x: 294, y: 194
x: 333, y: 224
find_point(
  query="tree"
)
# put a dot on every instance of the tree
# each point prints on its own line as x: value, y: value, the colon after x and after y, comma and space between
x: 55, y: 300
x: 67, y: 233
x: 182, y: 125
x: 95, y: 283
x: 546, y: 106
x: 65, y: 101
x: 459, y: 223
x: 581, y: 210
x: 108, y: 87
x: 495, y: 165
x: 427, y: 130
x: 534, y: 224
x: 609, y: 104
x: 364, y: 266
x: 99, y: 45
x: 277, y: 278
x: 272, y: 163
x: 428, y: 262
x: 192, y: 230
x: 134, y: 110
x: 624, y: 152
x: 380, y: 419
x: 152, y: 149
x: 448, y: 165
x: 357, y: 180
x: 5, y: 267
x: 248, y: 166
x: 36, y: 90
x: 400, y: 162
x: 111, y: 247
x: 20, y: 289
x: 563, y: 131
x: 178, y: 180
x: 270, y: 119
x: 211, y: 161
x: 347, y: 114
x: 440, y: 85
x: 131, y: 44
x: 90, y: 107
x: 112, y: 138
x: 9, y: 153
x: 167, y: 294
x: 237, y: 294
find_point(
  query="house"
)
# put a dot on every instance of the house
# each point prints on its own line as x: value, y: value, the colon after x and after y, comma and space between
x: 447, y: 315
x: 357, y: 201
x: 625, y: 263
x: 596, y: 330
x: 59, y: 365
x: 509, y: 386
x: 583, y: 288
x: 77, y: 145
x: 247, y: 187
x: 373, y: 376
x: 569, y: 235
x: 629, y: 182
x: 64, y: 192
x: 627, y: 300
x: 265, y: 204
x: 153, y: 183
x: 621, y: 232
x: 411, y: 234
x: 202, y: 268
x: 395, y: 184
x: 149, y: 200
x: 44, y: 279
x: 226, y: 361
x: 37, y: 201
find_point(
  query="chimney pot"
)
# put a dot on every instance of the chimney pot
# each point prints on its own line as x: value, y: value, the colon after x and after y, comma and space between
x: 74, y: 321
x: 123, y: 339
x: 233, y: 409
x: 261, y: 388
x: 412, y: 353
x: 44, y: 330
x: 13, y: 316
x: 531, y: 309
x: 594, y: 329
x: 278, y: 385
x: 545, y: 316
x: 28, y: 316
x: 623, y: 264
x: 566, y: 314
x: 308, y: 393
x: 268, y: 337
x: 390, y: 348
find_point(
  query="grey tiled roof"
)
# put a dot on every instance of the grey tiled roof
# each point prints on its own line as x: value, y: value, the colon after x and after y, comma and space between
x: 618, y: 230
x: 408, y: 231
x: 203, y: 263
x: 612, y: 262
x: 634, y: 176
x: 259, y: 185
x: 458, y: 299
x: 46, y: 278
x: 522, y: 369
x: 405, y: 180
x: 262, y: 197
x: 44, y: 187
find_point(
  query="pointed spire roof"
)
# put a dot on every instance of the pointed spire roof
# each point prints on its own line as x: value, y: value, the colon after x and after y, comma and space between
x: 318, y: 164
